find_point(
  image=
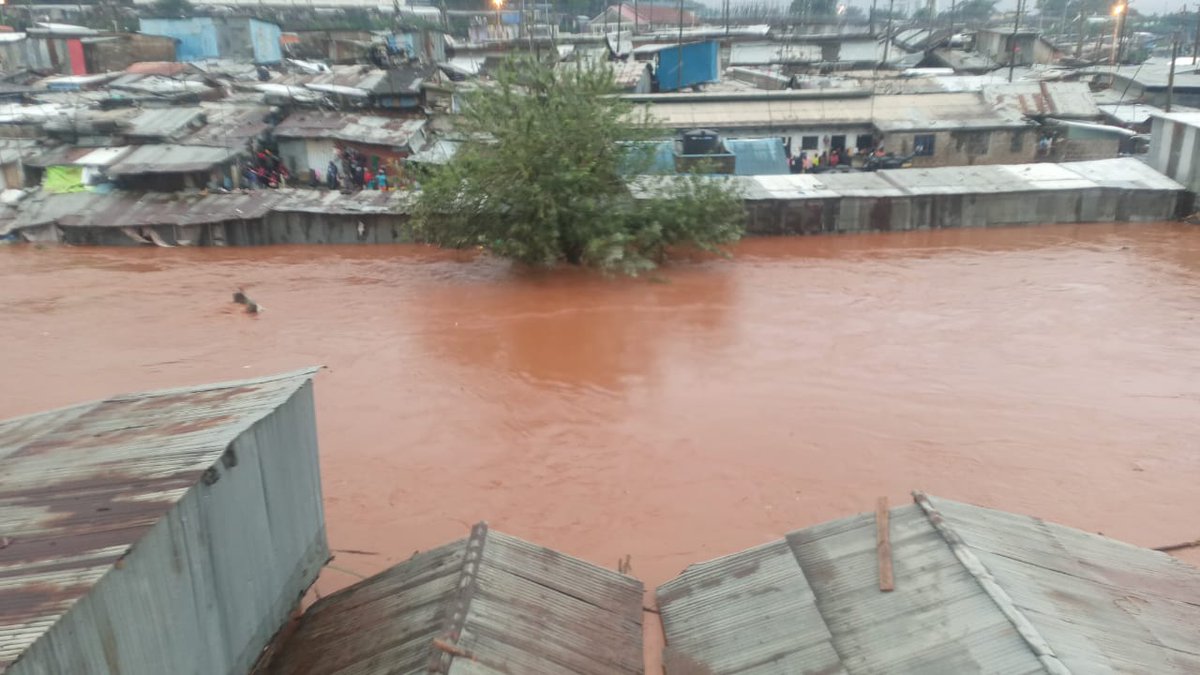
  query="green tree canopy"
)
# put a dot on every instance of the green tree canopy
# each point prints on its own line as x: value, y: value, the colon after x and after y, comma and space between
x: 545, y: 181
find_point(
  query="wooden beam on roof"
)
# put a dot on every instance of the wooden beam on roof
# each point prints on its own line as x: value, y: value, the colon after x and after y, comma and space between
x: 883, y: 546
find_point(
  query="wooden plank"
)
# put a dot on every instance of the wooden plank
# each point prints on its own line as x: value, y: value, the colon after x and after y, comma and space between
x: 883, y: 546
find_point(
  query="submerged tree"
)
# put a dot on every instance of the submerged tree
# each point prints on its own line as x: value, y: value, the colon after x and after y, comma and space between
x: 547, y: 179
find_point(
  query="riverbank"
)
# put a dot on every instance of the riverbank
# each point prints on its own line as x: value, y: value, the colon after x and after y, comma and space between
x: 1103, y: 191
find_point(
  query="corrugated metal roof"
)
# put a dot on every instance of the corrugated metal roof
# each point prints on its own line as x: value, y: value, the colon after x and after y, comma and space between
x: 171, y: 159
x: 370, y: 129
x: 166, y: 123
x: 1038, y: 99
x: 81, y: 485
x: 230, y: 125
x: 489, y: 604
x: 903, y: 112
x: 135, y: 209
x: 766, y: 53
x: 976, y: 591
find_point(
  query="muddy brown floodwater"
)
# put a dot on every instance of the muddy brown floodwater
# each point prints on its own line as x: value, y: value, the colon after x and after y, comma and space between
x: 1052, y: 371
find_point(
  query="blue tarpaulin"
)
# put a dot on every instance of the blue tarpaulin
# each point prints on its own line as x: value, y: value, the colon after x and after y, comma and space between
x: 758, y: 156
x: 699, y: 65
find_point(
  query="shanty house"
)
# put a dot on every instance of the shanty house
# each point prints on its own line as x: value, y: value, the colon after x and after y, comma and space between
x: 490, y: 604
x: 677, y: 67
x: 165, y: 532
x: 310, y: 139
x: 943, y: 129
x: 167, y: 168
x: 644, y: 17
x: 1175, y: 147
x: 936, y: 586
x: 108, y: 53
x: 1023, y: 48
x: 220, y: 37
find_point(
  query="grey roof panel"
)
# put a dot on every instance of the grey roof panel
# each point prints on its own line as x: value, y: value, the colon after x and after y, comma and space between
x: 512, y: 606
x: 976, y: 591
x: 1099, y: 602
x: 79, y: 487
x: 748, y: 610
x: 961, y: 631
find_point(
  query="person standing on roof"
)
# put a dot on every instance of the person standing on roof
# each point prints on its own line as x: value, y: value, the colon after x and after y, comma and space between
x: 331, y: 175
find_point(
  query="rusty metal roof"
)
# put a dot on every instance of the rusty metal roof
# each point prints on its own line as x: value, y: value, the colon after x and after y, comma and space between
x: 976, y: 590
x: 1071, y: 100
x: 172, y: 159
x: 370, y: 129
x: 135, y: 209
x: 230, y: 125
x: 491, y: 604
x: 80, y: 486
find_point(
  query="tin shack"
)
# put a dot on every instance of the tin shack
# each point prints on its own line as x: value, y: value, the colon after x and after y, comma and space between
x: 164, y: 532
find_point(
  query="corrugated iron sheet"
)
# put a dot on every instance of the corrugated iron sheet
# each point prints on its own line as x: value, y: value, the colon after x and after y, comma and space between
x: 81, y: 486
x: 231, y: 126
x: 494, y: 604
x: 136, y: 209
x: 903, y: 112
x: 1040, y: 99
x: 1124, y: 173
x: 172, y: 159
x: 369, y: 129
x: 753, y: 611
x: 166, y: 124
x: 1105, y: 606
x: 1080, y: 600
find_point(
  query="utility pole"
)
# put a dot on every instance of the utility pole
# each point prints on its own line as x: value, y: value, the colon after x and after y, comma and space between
x: 1082, y: 25
x: 1012, y: 45
x: 887, y: 38
x: 871, y: 18
x: 679, y: 46
x: 636, y: 16
x: 726, y: 18
x: 1171, y: 73
x: 953, y: 8
x: 620, y: 11
x: 1196, y: 41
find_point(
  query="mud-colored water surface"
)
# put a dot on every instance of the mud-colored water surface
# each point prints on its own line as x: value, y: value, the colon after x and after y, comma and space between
x: 1052, y: 371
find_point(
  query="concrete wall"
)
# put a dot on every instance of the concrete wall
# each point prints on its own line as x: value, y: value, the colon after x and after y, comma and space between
x: 865, y: 214
x: 1173, y: 150
x: 969, y: 147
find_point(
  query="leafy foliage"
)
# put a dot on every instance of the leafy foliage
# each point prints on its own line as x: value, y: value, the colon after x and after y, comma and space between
x: 545, y: 180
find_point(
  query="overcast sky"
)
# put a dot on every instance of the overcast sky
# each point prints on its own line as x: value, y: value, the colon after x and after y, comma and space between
x: 1144, y: 6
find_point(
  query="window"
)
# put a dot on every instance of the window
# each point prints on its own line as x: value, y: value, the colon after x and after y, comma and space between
x: 923, y: 145
x: 864, y: 142
x: 1018, y: 141
x: 808, y: 142
x: 838, y: 142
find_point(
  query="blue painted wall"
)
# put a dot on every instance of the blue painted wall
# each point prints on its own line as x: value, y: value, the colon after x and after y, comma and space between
x: 197, y: 36
x: 699, y: 65
x: 758, y: 156
x: 265, y: 38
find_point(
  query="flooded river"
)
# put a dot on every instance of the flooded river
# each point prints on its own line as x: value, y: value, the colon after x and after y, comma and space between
x: 1052, y: 371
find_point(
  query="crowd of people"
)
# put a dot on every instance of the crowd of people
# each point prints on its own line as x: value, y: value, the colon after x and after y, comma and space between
x: 350, y: 170
x: 265, y: 170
